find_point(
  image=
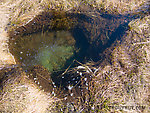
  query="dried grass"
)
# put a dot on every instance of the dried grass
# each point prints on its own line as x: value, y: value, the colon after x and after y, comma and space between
x: 22, y: 95
x: 126, y: 81
x: 24, y: 10
x: 123, y: 82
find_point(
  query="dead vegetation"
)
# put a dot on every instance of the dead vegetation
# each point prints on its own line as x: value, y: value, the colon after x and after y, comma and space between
x: 24, y: 11
x: 126, y: 80
x: 19, y: 94
x: 123, y: 80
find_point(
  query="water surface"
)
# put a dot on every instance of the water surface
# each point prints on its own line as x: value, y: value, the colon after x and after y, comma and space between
x: 49, y: 49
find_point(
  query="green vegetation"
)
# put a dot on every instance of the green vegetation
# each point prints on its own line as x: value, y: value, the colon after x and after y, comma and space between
x: 54, y: 57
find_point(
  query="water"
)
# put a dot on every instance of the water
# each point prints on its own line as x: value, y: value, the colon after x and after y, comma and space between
x: 52, y: 41
x: 49, y: 49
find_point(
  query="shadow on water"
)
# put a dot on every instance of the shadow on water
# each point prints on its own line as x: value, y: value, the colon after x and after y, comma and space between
x: 89, y: 34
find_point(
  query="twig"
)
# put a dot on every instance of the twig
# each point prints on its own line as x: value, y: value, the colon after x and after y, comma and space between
x: 68, y: 68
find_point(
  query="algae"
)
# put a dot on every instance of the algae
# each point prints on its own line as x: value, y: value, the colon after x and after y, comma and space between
x: 49, y: 49
x: 54, y: 57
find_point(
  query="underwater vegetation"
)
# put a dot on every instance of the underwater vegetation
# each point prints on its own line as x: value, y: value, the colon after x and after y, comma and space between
x: 54, y: 57
x: 49, y: 49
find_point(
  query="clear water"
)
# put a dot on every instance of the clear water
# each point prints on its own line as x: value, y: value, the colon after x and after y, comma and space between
x: 48, y: 49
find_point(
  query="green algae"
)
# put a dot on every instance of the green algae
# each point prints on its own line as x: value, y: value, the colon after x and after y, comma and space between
x: 54, y: 57
x: 50, y: 49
